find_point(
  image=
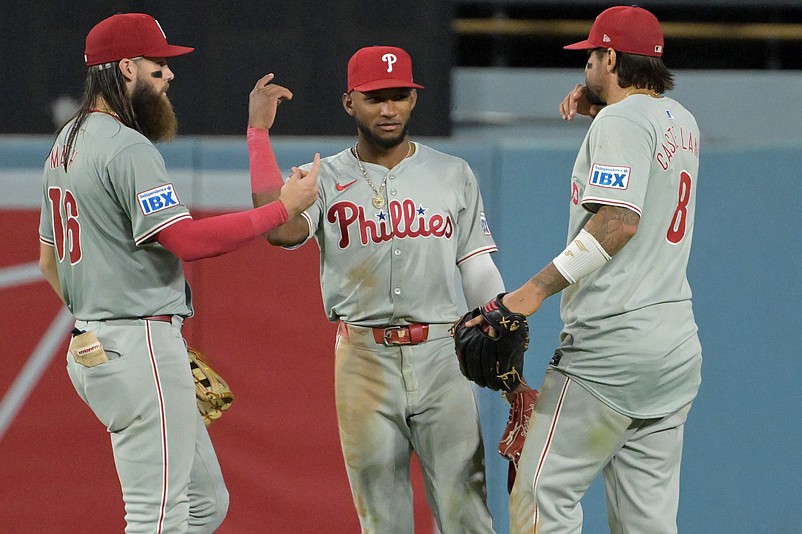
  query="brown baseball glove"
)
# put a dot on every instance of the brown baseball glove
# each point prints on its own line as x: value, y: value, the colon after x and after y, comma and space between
x: 212, y: 392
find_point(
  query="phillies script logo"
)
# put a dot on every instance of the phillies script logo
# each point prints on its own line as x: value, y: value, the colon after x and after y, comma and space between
x: 405, y: 220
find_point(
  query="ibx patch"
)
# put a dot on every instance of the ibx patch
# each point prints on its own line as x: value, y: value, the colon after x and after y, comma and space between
x: 157, y: 199
x: 483, y: 222
x: 609, y: 176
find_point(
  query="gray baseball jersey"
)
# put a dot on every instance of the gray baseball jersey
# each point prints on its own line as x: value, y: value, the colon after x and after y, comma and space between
x: 101, y: 216
x: 395, y: 264
x: 636, y: 347
x: 392, y: 265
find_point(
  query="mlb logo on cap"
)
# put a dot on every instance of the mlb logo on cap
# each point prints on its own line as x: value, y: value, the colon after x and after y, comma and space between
x: 380, y: 67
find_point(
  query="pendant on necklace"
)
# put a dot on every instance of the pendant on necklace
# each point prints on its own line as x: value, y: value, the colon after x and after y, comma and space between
x: 378, y: 202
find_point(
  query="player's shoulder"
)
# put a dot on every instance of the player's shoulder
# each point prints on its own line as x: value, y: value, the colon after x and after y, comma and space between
x: 440, y: 163
x: 112, y: 138
x: 433, y: 155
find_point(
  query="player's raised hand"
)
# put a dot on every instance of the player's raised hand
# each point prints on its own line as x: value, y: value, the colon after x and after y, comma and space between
x: 301, y: 188
x: 263, y: 101
x: 576, y: 101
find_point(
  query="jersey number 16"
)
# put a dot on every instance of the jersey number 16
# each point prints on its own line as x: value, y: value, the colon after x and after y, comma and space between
x: 67, y: 229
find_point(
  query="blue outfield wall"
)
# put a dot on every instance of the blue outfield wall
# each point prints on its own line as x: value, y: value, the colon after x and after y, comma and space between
x: 742, y: 470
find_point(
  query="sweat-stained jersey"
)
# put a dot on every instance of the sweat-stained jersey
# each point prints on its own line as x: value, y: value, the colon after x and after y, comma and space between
x: 630, y: 336
x: 396, y: 264
x: 101, y: 217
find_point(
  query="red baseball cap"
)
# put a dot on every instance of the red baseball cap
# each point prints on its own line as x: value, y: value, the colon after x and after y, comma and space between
x: 128, y: 35
x: 628, y: 29
x: 380, y: 67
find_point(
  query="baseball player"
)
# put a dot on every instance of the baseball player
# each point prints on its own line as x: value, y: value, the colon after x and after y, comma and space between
x: 618, y: 390
x: 394, y: 220
x: 113, y: 232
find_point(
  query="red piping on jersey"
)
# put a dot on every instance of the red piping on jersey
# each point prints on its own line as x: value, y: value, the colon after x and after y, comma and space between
x: 547, y: 446
x: 161, y: 227
x: 608, y: 202
x: 163, y: 426
x: 485, y: 250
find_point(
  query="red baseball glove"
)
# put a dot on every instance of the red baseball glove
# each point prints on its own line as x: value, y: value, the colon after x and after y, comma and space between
x: 512, y: 441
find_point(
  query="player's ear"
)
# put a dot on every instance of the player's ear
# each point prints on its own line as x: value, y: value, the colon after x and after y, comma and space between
x: 127, y: 69
x: 611, y: 58
x: 348, y: 104
x: 413, y: 97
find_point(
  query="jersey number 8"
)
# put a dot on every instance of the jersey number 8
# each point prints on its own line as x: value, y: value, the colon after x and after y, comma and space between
x: 677, y: 229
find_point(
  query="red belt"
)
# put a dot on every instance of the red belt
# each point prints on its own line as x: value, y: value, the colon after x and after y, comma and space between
x: 408, y: 334
x: 162, y: 318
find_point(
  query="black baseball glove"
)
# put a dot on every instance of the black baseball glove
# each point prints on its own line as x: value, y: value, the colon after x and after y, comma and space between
x: 492, y: 358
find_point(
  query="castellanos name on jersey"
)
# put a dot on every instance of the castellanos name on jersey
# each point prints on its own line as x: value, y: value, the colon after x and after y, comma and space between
x: 609, y: 176
x: 157, y: 199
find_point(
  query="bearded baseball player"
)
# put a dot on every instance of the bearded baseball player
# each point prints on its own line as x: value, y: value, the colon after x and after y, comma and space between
x: 618, y: 390
x: 113, y: 232
x: 394, y: 220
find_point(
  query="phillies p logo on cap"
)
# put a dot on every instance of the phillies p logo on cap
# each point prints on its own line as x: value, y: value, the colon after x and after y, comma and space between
x: 380, y: 67
x: 390, y: 59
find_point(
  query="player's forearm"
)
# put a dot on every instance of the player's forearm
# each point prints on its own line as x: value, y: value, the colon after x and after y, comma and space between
x: 610, y: 228
x: 294, y: 231
x: 528, y: 298
x: 193, y: 240
x: 266, y: 179
x: 291, y: 233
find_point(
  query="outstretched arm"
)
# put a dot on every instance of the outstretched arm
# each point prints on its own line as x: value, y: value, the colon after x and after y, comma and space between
x: 193, y: 240
x: 606, y: 233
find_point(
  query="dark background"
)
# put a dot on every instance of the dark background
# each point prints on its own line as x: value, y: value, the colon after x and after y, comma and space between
x: 307, y: 43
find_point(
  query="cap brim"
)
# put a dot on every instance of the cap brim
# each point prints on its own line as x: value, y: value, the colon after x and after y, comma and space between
x: 581, y: 45
x: 385, y: 84
x: 170, y: 51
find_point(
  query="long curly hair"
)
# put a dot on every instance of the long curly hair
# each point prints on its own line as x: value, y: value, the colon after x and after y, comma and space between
x: 108, y: 82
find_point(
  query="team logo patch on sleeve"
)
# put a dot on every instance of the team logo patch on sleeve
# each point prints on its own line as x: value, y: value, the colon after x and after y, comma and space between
x: 483, y: 222
x: 609, y: 176
x: 157, y: 199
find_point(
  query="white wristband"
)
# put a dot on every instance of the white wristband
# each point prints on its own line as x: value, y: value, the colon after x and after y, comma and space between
x: 581, y: 257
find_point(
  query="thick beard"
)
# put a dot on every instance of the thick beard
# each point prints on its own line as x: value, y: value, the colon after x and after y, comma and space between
x: 593, y: 97
x: 154, y: 113
x: 379, y: 142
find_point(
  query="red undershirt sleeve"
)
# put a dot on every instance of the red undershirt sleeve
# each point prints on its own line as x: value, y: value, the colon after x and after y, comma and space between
x: 265, y: 173
x: 205, y: 238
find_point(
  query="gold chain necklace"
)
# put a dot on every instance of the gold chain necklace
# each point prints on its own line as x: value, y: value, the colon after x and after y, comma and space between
x: 377, y: 200
x: 637, y: 91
